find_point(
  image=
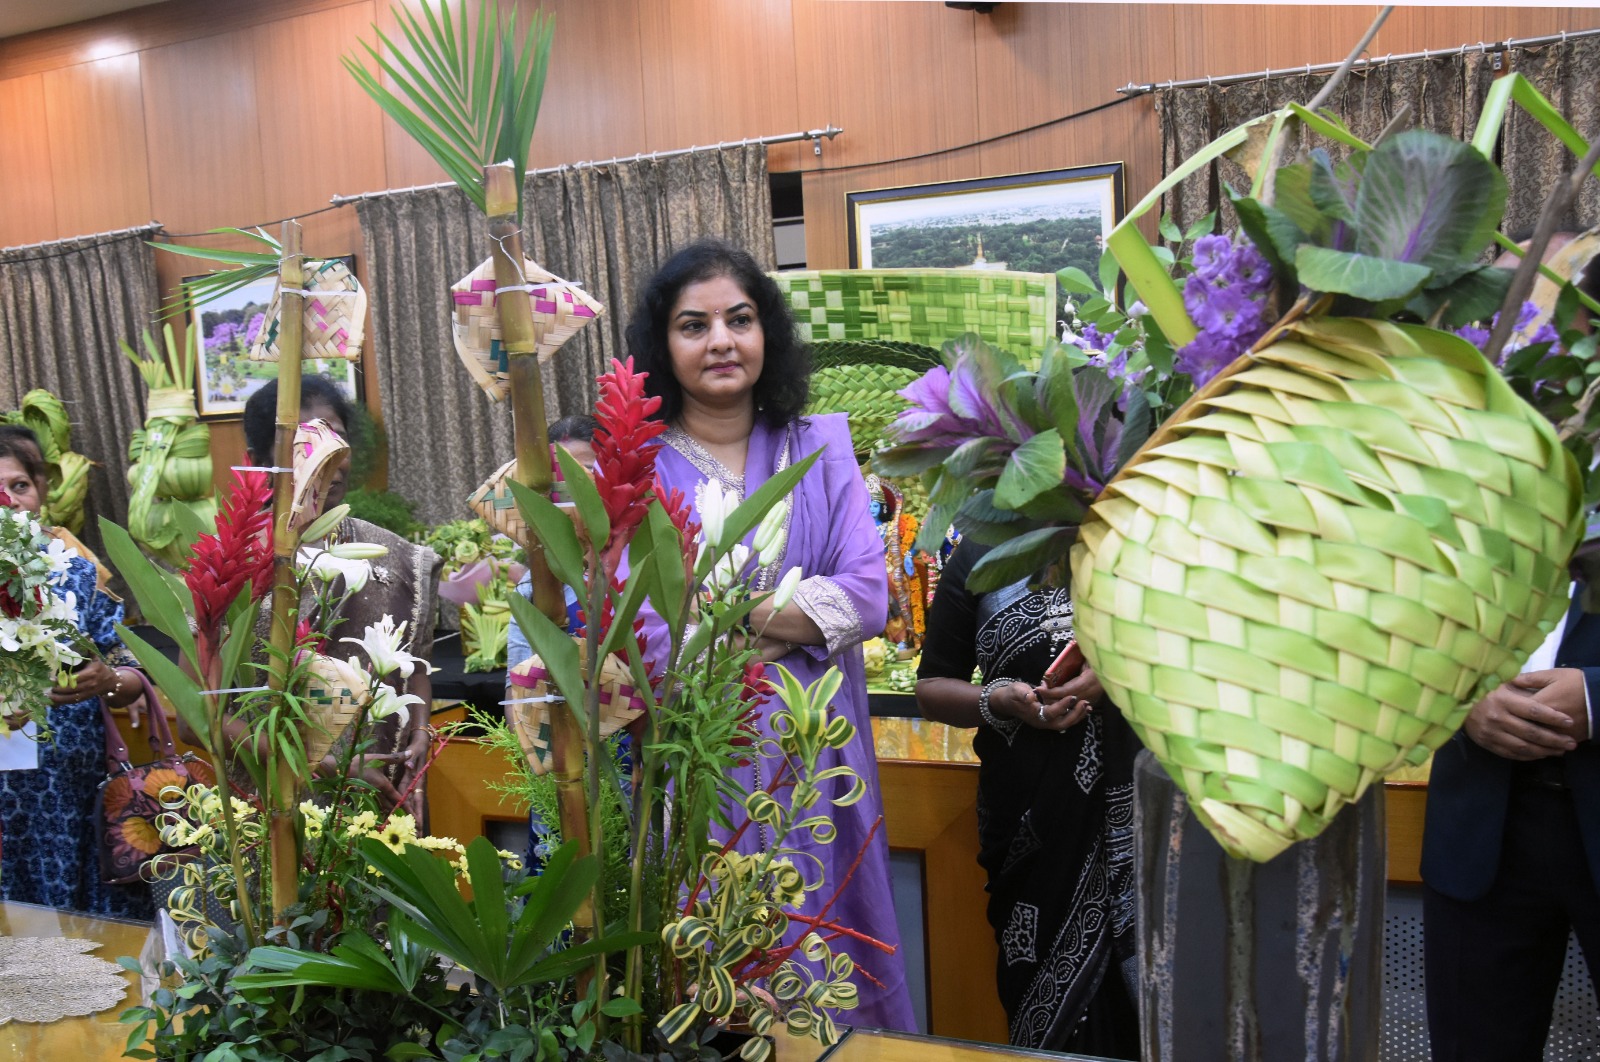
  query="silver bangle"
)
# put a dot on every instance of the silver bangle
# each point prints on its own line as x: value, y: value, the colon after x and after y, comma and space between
x: 983, y: 704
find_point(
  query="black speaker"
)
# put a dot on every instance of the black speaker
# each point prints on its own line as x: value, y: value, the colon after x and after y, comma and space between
x: 980, y: 8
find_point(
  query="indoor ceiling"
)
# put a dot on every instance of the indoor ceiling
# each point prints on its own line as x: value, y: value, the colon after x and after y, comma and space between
x: 25, y: 16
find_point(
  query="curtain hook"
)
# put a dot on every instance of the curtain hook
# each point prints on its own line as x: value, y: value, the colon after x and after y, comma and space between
x: 1308, y: 69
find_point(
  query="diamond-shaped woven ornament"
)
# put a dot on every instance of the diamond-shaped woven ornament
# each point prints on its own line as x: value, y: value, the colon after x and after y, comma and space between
x: 318, y: 456
x: 1318, y: 565
x: 620, y: 704
x: 560, y: 309
x: 335, y: 695
x: 494, y: 503
x: 334, y: 315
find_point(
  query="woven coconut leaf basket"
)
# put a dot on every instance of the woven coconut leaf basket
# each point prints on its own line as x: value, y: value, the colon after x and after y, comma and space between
x: 1311, y: 572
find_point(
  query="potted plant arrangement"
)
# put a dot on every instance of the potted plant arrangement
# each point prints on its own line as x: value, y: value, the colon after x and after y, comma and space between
x: 1289, y: 434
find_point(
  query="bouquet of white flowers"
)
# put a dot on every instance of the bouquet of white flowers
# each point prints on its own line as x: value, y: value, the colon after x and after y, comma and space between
x: 38, y: 628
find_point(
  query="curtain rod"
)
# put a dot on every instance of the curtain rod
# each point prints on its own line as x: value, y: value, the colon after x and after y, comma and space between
x: 146, y: 227
x: 1324, y: 68
x: 813, y: 135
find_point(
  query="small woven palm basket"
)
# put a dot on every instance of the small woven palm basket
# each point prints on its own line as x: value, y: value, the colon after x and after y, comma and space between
x: 334, y: 316
x: 1314, y: 569
x: 335, y: 695
x: 560, y: 309
x: 619, y: 704
x: 494, y: 502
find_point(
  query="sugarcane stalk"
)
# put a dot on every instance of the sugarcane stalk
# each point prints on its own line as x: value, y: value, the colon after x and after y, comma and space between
x: 285, y: 542
x: 515, y: 313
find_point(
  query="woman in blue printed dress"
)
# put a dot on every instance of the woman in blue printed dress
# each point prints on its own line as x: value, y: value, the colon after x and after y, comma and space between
x: 49, y: 853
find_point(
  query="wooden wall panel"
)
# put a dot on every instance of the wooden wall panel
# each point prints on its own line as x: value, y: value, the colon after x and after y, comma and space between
x: 717, y: 70
x: 899, y: 78
x: 320, y: 134
x: 594, y: 92
x: 98, y: 160
x: 203, y: 129
x: 140, y: 29
x: 27, y: 205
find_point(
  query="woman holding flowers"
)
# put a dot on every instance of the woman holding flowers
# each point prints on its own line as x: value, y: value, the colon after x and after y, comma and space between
x: 51, y: 855
x: 719, y: 346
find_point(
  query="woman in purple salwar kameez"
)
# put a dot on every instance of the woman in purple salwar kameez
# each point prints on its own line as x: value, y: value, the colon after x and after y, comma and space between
x: 716, y: 337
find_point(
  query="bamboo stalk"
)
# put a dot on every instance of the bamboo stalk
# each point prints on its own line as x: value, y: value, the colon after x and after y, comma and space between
x: 285, y: 542
x: 515, y: 313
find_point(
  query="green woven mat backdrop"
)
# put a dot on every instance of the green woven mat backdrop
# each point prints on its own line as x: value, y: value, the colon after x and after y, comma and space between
x: 928, y: 306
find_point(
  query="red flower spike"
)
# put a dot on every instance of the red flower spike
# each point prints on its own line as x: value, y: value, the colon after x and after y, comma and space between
x: 753, y: 692
x: 239, y: 554
x: 625, y: 457
x: 680, y: 513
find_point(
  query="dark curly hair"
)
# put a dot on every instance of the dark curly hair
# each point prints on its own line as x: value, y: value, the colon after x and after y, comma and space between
x: 19, y: 443
x: 261, y: 412
x: 785, y: 381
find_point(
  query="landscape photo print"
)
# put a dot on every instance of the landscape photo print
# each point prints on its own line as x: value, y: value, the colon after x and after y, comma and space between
x: 1028, y: 222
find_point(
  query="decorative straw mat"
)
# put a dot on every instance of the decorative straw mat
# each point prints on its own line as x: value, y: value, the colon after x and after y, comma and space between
x: 619, y: 704
x: 44, y: 979
x: 317, y: 453
x: 560, y: 309
x: 1016, y: 311
x: 335, y: 695
x: 334, y: 317
x: 1310, y: 574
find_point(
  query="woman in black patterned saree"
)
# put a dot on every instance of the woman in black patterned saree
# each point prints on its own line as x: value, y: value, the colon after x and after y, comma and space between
x: 1055, y: 810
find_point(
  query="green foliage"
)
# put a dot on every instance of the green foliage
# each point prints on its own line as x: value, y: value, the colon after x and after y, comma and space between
x: 388, y: 511
x: 468, y: 95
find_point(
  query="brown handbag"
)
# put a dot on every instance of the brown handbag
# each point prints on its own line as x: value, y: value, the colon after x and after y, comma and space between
x: 128, y: 805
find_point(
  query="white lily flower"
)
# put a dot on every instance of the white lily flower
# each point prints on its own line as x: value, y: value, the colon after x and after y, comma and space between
x: 713, y: 503
x: 59, y: 556
x: 327, y: 567
x: 771, y: 532
x: 382, y: 642
x: 786, y: 588
x: 358, y: 550
x: 386, y: 702
x: 729, y: 569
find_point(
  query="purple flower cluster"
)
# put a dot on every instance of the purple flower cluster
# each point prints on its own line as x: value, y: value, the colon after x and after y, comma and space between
x: 1226, y: 297
x: 1524, y: 335
x: 222, y: 337
x: 253, y: 329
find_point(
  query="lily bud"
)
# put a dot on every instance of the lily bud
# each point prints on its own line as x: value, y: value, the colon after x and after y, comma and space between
x: 786, y: 589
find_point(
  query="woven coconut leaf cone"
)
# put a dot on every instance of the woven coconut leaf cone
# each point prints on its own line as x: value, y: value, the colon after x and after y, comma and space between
x: 1318, y: 565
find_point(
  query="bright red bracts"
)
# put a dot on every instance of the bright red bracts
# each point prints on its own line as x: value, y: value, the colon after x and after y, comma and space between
x: 625, y: 457
x: 239, y: 553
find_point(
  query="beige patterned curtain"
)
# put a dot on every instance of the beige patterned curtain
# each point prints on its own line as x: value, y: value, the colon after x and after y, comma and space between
x: 1569, y: 76
x: 63, y: 307
x: 1445, y: 94
x: 606, y: 227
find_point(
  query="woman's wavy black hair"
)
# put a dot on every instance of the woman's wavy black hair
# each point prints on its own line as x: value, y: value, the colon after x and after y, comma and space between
x: 785, y: 381
x: 261, y: 412
x: 19, y: 443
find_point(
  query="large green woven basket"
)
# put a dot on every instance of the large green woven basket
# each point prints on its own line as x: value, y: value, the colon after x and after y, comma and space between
x: 1307, y: 577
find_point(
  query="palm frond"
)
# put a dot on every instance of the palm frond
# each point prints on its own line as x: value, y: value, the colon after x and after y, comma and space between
x: 469, y: 96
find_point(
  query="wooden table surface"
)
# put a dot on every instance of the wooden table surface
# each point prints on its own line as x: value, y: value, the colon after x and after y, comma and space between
x: 94, y: 1038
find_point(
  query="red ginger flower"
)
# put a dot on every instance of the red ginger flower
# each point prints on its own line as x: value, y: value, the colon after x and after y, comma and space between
x: 625, y: 458
x: 680, y: 513
x: 239, y: 553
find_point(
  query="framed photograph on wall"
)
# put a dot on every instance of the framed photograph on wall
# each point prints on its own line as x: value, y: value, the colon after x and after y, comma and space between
x: 226, y: 376
x: 1030, y: 222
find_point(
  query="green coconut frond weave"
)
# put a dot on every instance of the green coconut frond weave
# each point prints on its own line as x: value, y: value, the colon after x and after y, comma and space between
x: 832, y: 352
x: 867, y: 393
x: 923, y: 306
x: 1308, y: 576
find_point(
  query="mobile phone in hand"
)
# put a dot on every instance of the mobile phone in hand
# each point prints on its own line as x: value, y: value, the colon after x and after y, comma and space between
x: 1065, y: 666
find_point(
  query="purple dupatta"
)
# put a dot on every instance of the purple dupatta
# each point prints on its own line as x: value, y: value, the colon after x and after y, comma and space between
x: 844, y: 588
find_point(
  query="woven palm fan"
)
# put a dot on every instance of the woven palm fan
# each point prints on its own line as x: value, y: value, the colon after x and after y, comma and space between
x: 619, y: 704
x: 335, y: 695
x: 318, y: 457
x: 560, y: 309
x: 334, y: 315
x: 1318, y: 565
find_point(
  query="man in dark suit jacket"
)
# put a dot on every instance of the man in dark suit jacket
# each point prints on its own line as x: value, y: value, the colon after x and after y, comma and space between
x: 1511, y: 855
